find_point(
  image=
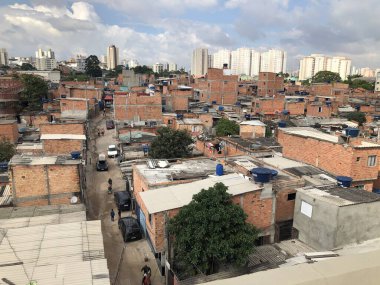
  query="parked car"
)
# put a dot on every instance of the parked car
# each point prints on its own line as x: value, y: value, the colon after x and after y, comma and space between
x: 110, y: 124
x: 123, y: 200
x: 101, y: 164
x: 112, y: 151
x: 130, y: 229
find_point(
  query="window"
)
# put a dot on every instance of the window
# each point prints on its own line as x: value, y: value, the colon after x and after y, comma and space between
x: 291, y: 196
x: 320, y: 109
x: 358, y: 159
x: 170, y: 122
x: 360, y: 187
x: 372, y: 160
x: 306, y: 209
x: 150, y: 219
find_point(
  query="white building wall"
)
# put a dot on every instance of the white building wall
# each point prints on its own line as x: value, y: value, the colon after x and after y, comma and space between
x: 3, y: 56
x: 221, y: 57
x: 199, y: 62
x: 255, y: 63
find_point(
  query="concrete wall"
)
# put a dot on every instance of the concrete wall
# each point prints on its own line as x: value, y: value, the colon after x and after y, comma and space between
x: 319, y: 230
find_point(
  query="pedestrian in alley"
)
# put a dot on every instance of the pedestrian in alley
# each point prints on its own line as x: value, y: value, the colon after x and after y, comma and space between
x: 112, y: 215
x: 119, y: 213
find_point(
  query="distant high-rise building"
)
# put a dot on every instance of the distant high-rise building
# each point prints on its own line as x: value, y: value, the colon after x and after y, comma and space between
x: 273, y: 60
x: 222, y: 57
x: 255, y: 63
x: 367, y: 72
x: 45, y: 60
x: 112, y: 57
x: 172, y: 67
x: 158, y: 67
x: 133, y: 63
x: 241, y: 61
x: 311, y: 65
x: 199, y: 62
x: 3, y: 56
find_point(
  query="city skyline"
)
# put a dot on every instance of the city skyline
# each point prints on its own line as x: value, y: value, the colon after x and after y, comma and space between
x: 174, y: 29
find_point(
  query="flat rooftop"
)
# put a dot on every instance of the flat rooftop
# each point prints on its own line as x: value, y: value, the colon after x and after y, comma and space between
x: 7, y: 122
x: 43, y: 160
x: 177, y: 196
x: 340, y: 197
x: 62, y: 137
x: 311, y: 133
x: 188, y: 169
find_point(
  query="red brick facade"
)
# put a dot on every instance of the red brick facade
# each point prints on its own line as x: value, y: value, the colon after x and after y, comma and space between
x: 269, y: 84
x: 9, y: 131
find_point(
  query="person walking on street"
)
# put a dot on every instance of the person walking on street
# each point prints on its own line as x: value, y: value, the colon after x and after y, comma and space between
x: 110, y: 181
x: 112, y: 215
x: 119, y: 213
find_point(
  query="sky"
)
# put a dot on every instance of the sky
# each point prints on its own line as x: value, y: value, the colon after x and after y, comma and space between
x: 168, y: 30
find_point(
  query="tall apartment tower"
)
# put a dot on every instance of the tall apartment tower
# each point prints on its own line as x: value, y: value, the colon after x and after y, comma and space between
x: 199, y: 62
x: 45, y: 60
x: 222, y: 57
x: 273, y: 60
x: 3, y: 56
x: 112, y: 57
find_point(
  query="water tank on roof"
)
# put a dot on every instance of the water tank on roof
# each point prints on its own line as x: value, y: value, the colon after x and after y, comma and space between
x: 221, y: 108
x: 344, y: 181
x: 213, y: 102
x: 219, y: 169
x: 238, y: 103
x: 261, y: 174
x: 282, y: 124
x: 247, y: 116
x: 328, y: 103
x: 352, y: 132
x: 75, y: 154
x: 285, y: 112
x: 179, y: 116
x: 205, y: 109
x: 274, y: 173
x: 3, y: 166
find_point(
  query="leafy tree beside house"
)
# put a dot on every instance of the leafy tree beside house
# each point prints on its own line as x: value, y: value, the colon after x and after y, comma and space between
x: 211, y: 231
x: 171, y: 143
x: 225, y: 127
x: 326, y: 77
x: 92, y: 67
x: 357, y: 117
x: 34, y: 90
x: 7, y: 150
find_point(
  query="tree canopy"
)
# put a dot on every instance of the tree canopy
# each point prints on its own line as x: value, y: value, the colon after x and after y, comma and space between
x: 357, y: 117
x: 142, y: 69
x: 7, y: 150
x: 171, y: 143
x: 212, y: 231
x: 92, y: 66
x: 35, y: 89
x: 326, y: 77
x: 225, y: 127
x: 27, y: 66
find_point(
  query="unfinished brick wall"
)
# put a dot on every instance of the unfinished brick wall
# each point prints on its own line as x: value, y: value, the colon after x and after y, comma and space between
x: 284, y: 206
x: 269, y: 105
x: 33, y: 185
x: 61, y: 147
x: 318, y: 110
x: 63, y: 128
x: 248, y: 131
x: 337, y: 159
x: 269, y: 84
x: 74, y: 107
x: 9, y: 131
x: 295, y: 108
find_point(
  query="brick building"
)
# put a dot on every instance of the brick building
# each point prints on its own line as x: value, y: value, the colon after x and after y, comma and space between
x: 268, y: 107
x: 252, y: 129
x: 10, y: 89
x: 177, y: 98
x: 9, y: 130
x: 136, y: 106
x: 91, y: 92
x: 344, y: 156
x: 74, y: 108
x: 45, y: 180
x: 218, y: 87
x: 269, y: 84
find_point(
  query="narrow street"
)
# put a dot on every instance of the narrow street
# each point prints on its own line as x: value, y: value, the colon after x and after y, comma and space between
x: 125, y: 260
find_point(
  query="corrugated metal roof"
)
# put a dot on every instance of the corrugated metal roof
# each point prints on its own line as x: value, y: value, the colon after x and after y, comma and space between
x: 177, y: 196
x: 62, y: 137
x: 62, y: 253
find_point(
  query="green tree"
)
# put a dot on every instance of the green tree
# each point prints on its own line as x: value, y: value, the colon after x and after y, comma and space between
x: 7, y: 150
x: 27, y: 66
x: 171, y: 143
x: 326, y: 77
x: 142, y: 69
x: 35, y: 89
x: 359, y: 83
x: 92, y: 66
x: 225, y: 127
x: 211, y: 231
x: 357, y: 117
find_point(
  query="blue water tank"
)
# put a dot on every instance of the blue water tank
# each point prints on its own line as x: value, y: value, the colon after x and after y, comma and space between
x: 179, y: 116
x: 344, y: 181
x: 376, y: 190
x: 261, y: 174
x: 3, y: 166
x: 352, y: 132
x: 328, y: 103
x: 213, y: 102
x: 238, y: 103
x: 282, y: 124
x: 75, y: 154
x: 247, y: 116
x: 285, y: 112
x: 205, y: 109
x: 219, y: 169
x: 221, y: 108
x: 274, y: 173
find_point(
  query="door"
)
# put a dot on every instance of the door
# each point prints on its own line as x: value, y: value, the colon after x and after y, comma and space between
x: 142, y: 222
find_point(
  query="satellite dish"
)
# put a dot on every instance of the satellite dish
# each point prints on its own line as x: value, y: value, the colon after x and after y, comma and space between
x: 74, y: 200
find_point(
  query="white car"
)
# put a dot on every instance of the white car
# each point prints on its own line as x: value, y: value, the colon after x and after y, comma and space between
x: 112, y: 151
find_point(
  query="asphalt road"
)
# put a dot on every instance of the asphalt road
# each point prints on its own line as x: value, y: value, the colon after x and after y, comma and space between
x: 125, y: 260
